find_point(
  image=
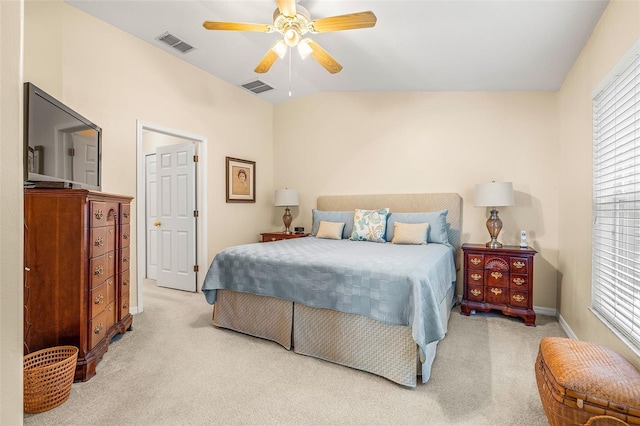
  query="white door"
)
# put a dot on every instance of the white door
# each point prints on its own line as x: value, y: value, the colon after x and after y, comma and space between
x: 84, y: 157
x: 176, y: 222
x: 151, y: 216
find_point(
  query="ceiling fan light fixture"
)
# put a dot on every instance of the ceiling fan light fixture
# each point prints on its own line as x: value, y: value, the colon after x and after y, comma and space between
x: 291, y: 36
x: 303, y: 48
x: 280, y: 48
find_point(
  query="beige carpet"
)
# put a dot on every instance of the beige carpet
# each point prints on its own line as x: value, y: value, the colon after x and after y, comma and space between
x: 175, y: 368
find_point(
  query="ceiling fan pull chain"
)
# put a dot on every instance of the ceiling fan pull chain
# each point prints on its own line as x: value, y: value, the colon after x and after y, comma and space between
x: 290, y: 55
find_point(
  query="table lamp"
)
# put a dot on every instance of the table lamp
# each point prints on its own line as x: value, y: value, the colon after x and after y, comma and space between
x: 286, y: 198
x: 494, y: 194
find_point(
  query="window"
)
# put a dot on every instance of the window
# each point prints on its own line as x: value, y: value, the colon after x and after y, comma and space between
x: 615, y: 291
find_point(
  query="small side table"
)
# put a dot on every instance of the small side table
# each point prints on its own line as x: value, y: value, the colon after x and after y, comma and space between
x: 500, y: 278
x: 277, y: 236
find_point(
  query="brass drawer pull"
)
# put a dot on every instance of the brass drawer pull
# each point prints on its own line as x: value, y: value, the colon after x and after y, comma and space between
x: 99, y: 242
x: 496, y: 275
x: 476, y: 277
x: 518, y: 264
x: 99, y: 214
x: 125, y: 282
x: 518, y: 281
x: 125, y: 236
x: 496, y: 291
x: 125, y: 259
x: 476, y: 292
x: 125, y: 215
x: 99, y: 299
x: 125, y: 305
x: 98, y: 328
x: 475, y: 261
x: 518, y: 297
x: 99, y: 270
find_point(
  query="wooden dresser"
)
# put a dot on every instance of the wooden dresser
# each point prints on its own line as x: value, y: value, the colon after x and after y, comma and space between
x: 277, y: 236
x: 500, y: 278
x: 76, y: 281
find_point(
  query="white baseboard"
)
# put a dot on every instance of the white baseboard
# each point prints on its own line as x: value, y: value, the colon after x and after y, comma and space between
x: 566, y: 328
x: 541, y: 310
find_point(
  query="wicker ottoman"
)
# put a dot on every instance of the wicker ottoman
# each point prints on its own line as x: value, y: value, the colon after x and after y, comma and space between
x: 579, y: 380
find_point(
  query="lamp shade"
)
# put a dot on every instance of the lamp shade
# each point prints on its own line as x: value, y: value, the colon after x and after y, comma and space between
x: 494, y: 194
x: 285, y: 197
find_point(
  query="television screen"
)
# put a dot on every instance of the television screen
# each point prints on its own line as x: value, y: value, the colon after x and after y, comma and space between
x: 60, y: 145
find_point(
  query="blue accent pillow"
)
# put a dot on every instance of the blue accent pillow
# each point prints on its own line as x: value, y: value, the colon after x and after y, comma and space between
x: 332, y: 216
x: 437, y: 221
x: 370, y: 225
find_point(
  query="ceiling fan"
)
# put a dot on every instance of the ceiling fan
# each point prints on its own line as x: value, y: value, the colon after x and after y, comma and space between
x: 293, y: 22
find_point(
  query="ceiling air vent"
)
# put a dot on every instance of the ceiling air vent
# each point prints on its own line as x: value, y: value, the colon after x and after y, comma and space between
x: 257, y: 86
x: 175, y: 42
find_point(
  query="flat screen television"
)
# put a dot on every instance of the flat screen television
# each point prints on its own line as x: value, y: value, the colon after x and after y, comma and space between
x: 62, y: 149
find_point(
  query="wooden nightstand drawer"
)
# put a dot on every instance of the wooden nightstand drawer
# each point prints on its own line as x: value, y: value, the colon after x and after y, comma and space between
x: 475, y: 260
x: 519, y: 264
x: 496, y: 278
x: 476, y: 292
x: 519, y: 281
x: 519, y: 298
x: 475, y: 276
x: 497, y: 295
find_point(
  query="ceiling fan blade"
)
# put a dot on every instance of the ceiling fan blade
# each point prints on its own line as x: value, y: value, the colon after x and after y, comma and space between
x: 237, y: 26
x: 267, y: 60
x: 351, y: 21
x: 323, y: 58
x: 287, y: 7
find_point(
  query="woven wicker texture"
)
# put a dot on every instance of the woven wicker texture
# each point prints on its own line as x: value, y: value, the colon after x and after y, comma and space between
x: 578, y: 380
x: 356, y: 341
x: 404, y: 203
x: 260, y: 316
x: 605, y: 421
x: 47, y: 377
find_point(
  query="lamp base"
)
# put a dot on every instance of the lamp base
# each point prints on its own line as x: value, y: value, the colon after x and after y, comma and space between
x: 494, y: 225
x: 286, y: 219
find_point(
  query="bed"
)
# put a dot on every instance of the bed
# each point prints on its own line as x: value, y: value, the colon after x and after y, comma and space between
x: 380, y: 308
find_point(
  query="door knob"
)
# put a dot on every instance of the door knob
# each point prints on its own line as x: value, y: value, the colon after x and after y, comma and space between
x: 156, y: 224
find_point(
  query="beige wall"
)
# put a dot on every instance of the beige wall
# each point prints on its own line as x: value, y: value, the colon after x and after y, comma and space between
x: 115, y: 79
x: 617, y: 30
x: 363, y: 143
x: 11, y: 213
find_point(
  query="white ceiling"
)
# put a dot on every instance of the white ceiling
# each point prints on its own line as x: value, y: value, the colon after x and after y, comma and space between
x: 446, y: 45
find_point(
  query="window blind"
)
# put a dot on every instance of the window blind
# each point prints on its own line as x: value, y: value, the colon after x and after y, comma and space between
x: 615, y: 290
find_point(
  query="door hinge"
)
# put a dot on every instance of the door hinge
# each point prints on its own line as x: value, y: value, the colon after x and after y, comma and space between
x: 196, y: 268
x: 72, y: 152
x: 195, y: 158
x: 196, y: 213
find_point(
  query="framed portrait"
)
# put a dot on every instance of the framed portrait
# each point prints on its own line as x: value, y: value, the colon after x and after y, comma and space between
x: 30, y: 159
x: 240, y: 180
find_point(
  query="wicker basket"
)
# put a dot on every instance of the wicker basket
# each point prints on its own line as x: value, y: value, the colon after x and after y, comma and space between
x: 48, y: 375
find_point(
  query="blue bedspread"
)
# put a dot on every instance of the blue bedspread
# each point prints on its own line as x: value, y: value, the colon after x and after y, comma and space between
x: 395, y: 284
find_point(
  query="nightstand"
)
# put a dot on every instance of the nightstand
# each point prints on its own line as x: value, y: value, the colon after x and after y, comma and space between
x: 501, y: 279
x: 276, y: 236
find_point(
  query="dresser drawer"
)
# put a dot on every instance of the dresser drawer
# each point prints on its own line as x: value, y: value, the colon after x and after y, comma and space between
x: 124, y: 258
x: 98, y: 241
x: 112, y: 316
x: 497, y: 295
x: 475, y: 260
x: 519, y: 281
x: 124, y: 305
x: 98, y: 213
x: 98, y: 299
x: 125, y: 237
x: 124, y: 282
x: 98, y: 270
x: 111, y: 263
x: 519, y: 298
x: 475, y: 276
x: 97, y: 329
x: 496, y: 278
x: 519, y: 265
x: 476, y: 292
x: 125, y: 213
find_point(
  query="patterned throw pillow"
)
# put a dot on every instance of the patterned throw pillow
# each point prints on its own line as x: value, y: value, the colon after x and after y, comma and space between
x: 330, y: 230
x: 410, y: 233
x: 370, y: 225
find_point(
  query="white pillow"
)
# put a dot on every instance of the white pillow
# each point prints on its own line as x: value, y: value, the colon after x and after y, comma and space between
x: 330, y: 230
x: 410, y: 233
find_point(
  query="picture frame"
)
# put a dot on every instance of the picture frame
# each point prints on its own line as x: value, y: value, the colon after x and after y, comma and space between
x: 38, y: 159
x: 31, y: 161
x: 240, y: 180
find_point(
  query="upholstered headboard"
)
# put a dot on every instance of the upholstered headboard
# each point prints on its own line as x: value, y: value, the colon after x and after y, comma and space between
x: 404, y: 203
